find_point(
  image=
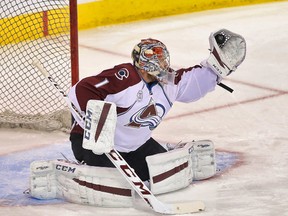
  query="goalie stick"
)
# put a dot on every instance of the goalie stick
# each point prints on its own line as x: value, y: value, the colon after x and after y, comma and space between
x: 128, y: 173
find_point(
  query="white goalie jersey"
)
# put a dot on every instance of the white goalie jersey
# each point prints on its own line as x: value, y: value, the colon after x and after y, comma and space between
x: 140, y: 106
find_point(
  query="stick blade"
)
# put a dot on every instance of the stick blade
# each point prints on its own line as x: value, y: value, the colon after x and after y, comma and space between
x: 186, y: 207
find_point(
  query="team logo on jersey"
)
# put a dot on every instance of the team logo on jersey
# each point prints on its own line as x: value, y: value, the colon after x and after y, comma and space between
x: 149, y: 116
x: 122, y: 73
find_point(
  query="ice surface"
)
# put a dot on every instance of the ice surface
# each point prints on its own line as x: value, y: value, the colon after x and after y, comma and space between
x: 249, y: 127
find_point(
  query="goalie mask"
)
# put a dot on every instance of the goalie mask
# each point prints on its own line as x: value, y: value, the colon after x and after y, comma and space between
x: 153, y: 57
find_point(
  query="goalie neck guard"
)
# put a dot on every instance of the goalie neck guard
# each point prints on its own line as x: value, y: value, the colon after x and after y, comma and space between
x: 152, y: 56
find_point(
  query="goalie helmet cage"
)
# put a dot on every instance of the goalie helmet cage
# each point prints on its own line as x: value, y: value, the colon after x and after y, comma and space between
x: 45, y: 30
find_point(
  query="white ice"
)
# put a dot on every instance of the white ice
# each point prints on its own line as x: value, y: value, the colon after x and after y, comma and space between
x: 252, y: 122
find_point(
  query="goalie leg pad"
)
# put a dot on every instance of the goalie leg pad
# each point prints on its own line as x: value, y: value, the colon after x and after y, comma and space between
x: 82, y: 184
x: 170, y: 171
x: 200, y: 155
x: 42, y: 180
x: 203, y: 157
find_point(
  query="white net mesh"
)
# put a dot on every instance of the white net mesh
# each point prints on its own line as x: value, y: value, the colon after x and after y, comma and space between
x: 29, y: 30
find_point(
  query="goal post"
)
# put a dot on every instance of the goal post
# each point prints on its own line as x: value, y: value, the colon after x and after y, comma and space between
x: 74, y: 42
x: 43, y: 30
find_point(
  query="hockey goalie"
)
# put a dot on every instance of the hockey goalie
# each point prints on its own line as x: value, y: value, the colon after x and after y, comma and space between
x: 122, y: 106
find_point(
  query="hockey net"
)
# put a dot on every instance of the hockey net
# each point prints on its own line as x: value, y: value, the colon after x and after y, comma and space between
x: 43, y: 30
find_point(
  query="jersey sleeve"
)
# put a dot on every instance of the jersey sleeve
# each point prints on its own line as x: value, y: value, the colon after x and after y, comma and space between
x: 194, y: 83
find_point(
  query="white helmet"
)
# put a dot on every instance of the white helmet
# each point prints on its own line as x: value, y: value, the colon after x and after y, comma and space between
x: 153, y: 57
